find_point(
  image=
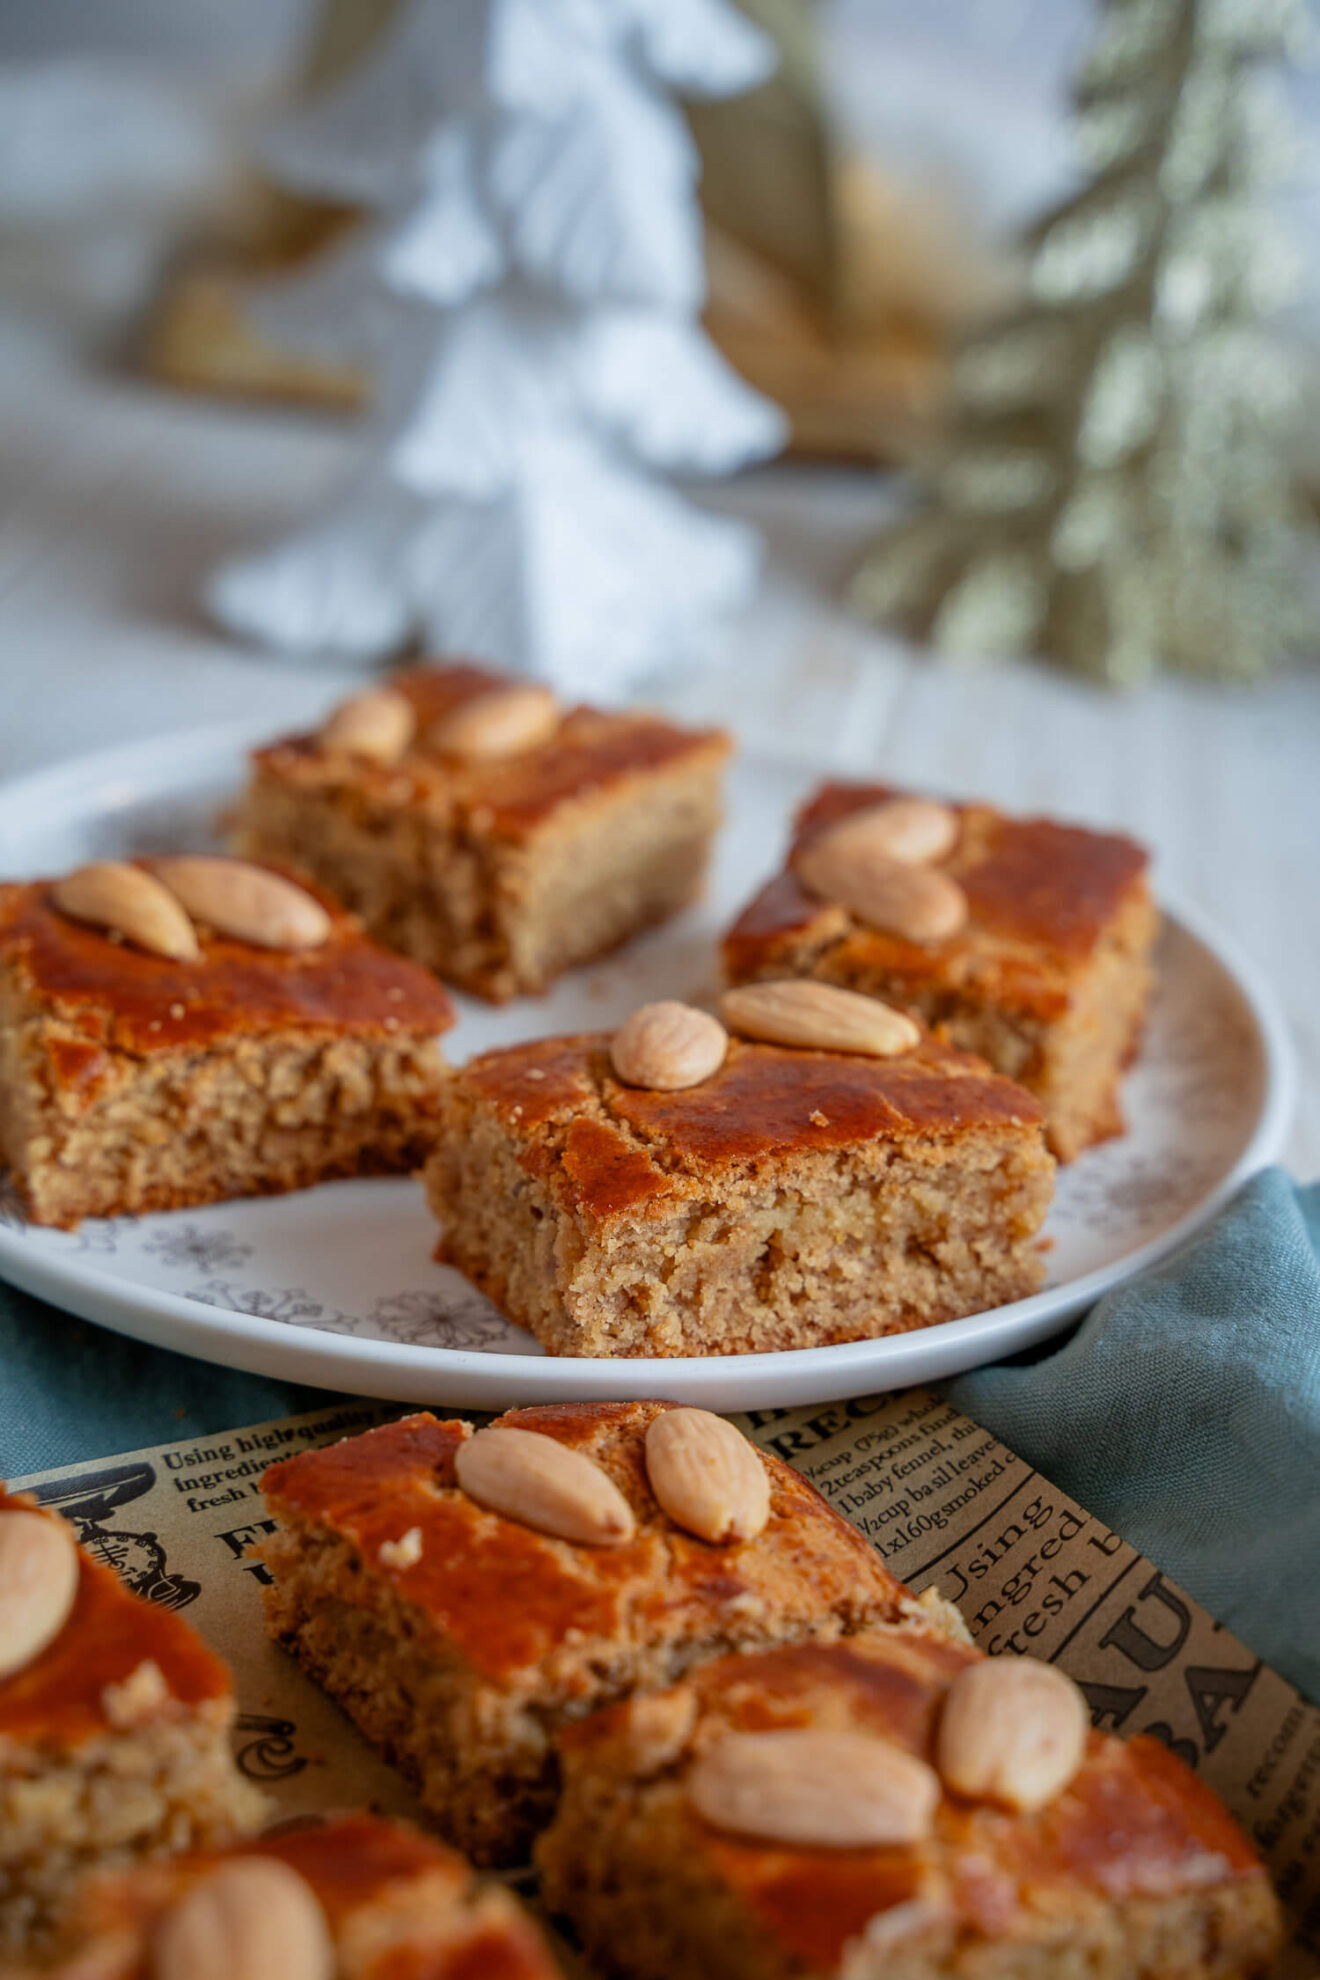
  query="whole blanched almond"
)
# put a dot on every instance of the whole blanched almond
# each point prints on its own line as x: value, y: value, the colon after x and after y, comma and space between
x: 919, y: 903
x: 246, y: 902
x: 819, y: 1017
x: 252, y: 1918
x: 504, y: 721
x: 126, y: 901
x: 707, y: 1476
x: 822, y: 1790
x: 38, y: 1583
x: 668, y: 1046
x: 1012, y: 1731
x: 914, y: 830
x: 545, y: 1485
x: 379, y: 723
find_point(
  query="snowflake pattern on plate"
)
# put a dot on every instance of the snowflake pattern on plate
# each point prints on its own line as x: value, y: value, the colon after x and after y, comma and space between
x: 192, y: 1249
x: 291, y: 1304
x: 102, y: 1236
x: 456, y: 1316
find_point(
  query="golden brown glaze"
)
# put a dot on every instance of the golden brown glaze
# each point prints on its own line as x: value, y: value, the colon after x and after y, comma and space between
x: 436, y: 691
x: 783, y: 907
x: 610, y: 1148
x: 1040, y: 897
x: 507, y: 1597
x: 1030, y: 879
x: 812, y: 1905
x: 345, y: 1478
x: 353, y: 1859
x: 57, y: 1701
x: 116, y: 998
x: 352, y: 1862
x: 599, y: 1170
x: 1134, y: 1821
x: 348, y: 1860
x: 497, y: 1953
x: 591, y: 754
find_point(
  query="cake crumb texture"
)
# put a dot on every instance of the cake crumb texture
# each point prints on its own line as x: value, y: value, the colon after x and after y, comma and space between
x: 130, y: 1083
x: 794, y: 1199
x: 461, y: 1665
x: 499, y: 874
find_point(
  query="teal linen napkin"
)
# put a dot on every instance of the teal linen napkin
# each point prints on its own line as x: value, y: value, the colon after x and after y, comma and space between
x: 1185, y: 1413
x: 69, y: 1390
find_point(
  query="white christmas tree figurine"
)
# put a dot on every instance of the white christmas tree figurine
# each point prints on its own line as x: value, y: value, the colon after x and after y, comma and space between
x: 527, y: 292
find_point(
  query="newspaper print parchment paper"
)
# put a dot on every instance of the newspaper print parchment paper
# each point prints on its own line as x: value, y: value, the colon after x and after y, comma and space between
x: 945, y: 1504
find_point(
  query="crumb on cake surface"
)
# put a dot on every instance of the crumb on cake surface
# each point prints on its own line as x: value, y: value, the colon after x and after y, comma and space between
x: 1133, y: 1872
x: 1048, y: 980
x: 461, y: 1664
x: 793, y: 1198
x: 498, y: 874
x: 114, y: 1743
x: 130, y: 1082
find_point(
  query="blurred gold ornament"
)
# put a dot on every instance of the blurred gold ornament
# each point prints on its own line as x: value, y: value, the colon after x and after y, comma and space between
x: 847, y: 397
x: 861, y: 367
x: 199, y: 335
x: 767, y: 163
x: 834, y: 289
x: 1112, y: 489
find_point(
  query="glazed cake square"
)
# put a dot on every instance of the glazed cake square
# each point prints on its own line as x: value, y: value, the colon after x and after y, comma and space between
x: 373, y: 1899
x: 1048, y: 980
x: 114, y: 1737
x: 1130, y: 1870
x: 794, y: 1199
x: 131, y: 1081
x: 459, y: 1638
x: 498, y: 872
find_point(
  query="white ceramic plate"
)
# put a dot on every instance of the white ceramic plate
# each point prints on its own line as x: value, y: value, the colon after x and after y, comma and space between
x: 336, y: 1285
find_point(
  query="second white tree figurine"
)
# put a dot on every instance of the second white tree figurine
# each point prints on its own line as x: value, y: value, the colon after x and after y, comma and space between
x: 527, y: 293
